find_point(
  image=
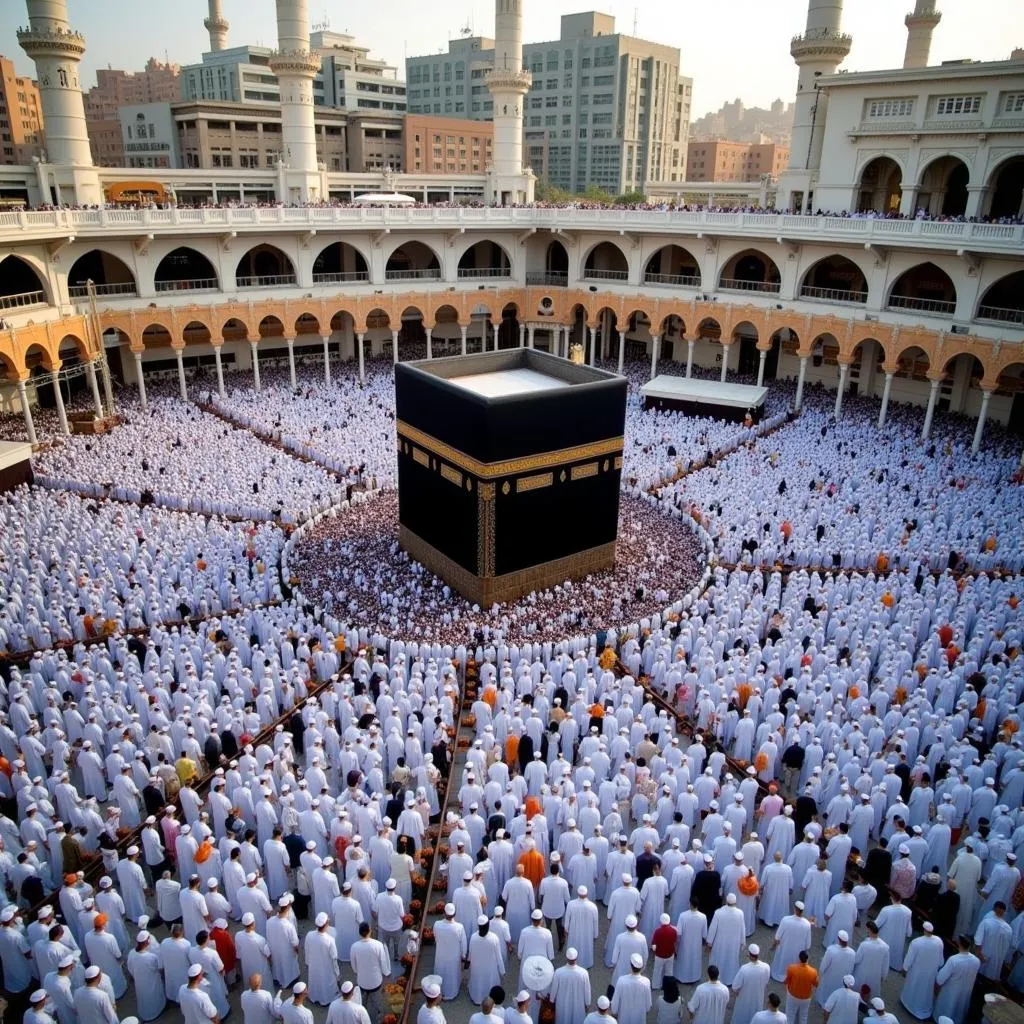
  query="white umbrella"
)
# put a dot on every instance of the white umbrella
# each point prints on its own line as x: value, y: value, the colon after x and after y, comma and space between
x: 384, y: 199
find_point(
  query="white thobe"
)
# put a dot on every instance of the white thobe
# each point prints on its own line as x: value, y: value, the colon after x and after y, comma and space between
x: 132, y: 883
x: 253, y: 956
x: 534, y: 941
x: 776, y: 887
x: 519, y: 900
x: 871, y: 965
x: 347, y: 916
x: 321, y: 967
x: 283, y: 940
x: 196, y: 1005
x: 956, y: 982
x: 632, y: 999
x: 103, y: 951
x: 486, y: 965
x: 727, y: 935
x: 194, y: 913
x: 843, y: 1006
x: 693, y: 932
x: 570, y: 992
x: 147, y: 977
x: 174, y: 957
x: 994, y: 938
x: 257, y: 1007
x: 966, y: 870
x: 837, y: 962
x: 450, y: 949
x: 749, y: 987
x: 793, y: 935
x: 841, y: 913
x: 922, y: 964
x: 629, y: 942
x: 94, y: 1006
x: 708, y: 1002
x: 581, y: 929
x: 895, y: 926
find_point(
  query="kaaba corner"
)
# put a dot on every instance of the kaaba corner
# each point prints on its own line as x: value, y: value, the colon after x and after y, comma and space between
x: 509, y: 468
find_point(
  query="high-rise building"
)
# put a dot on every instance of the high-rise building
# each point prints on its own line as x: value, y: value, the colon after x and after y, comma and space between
x: 156, y: 83
x: 603, y: 108
x: 721, y: 160
x: 21, y: 116
x: 447, y: 145
x: 739, y: 123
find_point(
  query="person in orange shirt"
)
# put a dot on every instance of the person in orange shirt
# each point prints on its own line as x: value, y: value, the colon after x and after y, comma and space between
x: 801, y: 981
x: 532, y: 862
x: 511, y: 749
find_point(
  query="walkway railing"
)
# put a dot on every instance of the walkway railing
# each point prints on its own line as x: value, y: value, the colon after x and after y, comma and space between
x: 674, y: 280
x: 942, y: 306
x: 81, y: 291
x: 189, y: 284
x: 471, y: 273
x: 430, y: 274
x: 734, y: 284
x: 810, y: 291
x: 266, y: 281
x: 593, y: 274
x: 22, y: 299
x: 548, y: 277
x: 1003, y: 315
x: 344, y: 277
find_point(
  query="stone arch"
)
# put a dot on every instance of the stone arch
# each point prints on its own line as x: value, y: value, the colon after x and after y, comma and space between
x: 72, y: 347
x: 835, y: 278
x: 156, y: 335
x: 378, y: 319
x: 195, y: 332
x: 508, y: 328
x: 1006, y: 381
x: 913, y: 361
x: 307, y: 323
x: 1004, y: 299
x: 270, y: 327
x: 412, y: 260
x: 745, y: 334
x: 672, y: 265
x: 9, y: 372
x: 942, y: 186
x: 412, y: 328
x: 709, y: 329
x: 185, y: 269
x: 109, y: 274
x: 750, y: 270
x: 484, y: 259
x: 880, y: 185
x: 1006, y: 188
x: 339, y: 262
x: 605, y: 261
x: 234, y: 329
x: 556, y: 263
x: 264, y: 266
x: 924, y: 286
x: 21, y: 283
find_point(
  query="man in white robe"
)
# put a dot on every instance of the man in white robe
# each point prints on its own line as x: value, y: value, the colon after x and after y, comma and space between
x: 628, y: 944
x: 253, y: 951
x: 347, y: 914
x: 174, y: 952
x: 283, y: 940
x: 956, y: 980
x: 93, y: 1004
x: 843, y: 1006
x: 871, y: 964
x: 623, y: 903
x: 486, y: 962
x: 726, y: 936
x: 205, y: 954
x: 841, y: 913
x: 102, y: 949
x: 994, y: 939
x: 837, y: 962
x: 147, y: 976
x: 519, y: 898
x: 791, y: 937
x: 921, y: 966
x: 570, y: 991
x: 581, y: 926
x: 776, y: 890
x: 693, y: 932
x: 451, y: 947
x: 132, y: 882
x: 895, y: 926
x: 709, y: 1000
x: 966, y: 871
x: 321, y: 955
x: 749, y: 986
x: 253, y: 900
x: 631, y: 1000
x: 534, y: 941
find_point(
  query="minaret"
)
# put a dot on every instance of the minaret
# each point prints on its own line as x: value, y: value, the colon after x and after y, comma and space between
x: 819, y: 51
x: 508, y: 84
x: 295, y: 67
x: 920, y: 26
x: 57, y: 50
x: 216, y: 24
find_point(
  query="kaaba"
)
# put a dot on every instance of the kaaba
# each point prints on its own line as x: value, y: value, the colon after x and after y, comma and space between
x: 509, y: 465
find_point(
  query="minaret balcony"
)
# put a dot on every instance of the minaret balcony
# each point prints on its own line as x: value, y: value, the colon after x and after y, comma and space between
x: 507, y: 80
x: 820, y: 44
x: 44, y: 43
x: 295, y: 62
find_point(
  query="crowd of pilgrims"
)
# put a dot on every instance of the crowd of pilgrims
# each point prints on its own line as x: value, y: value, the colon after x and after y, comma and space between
x: 873, y: 707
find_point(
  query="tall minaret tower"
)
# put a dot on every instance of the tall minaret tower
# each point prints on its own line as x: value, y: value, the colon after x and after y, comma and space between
x: 920, y: 26
x: 296, y: 67
x: 819, y: 51
x: 508, y: 84
x: 216, y: 24
x: 57, y: 50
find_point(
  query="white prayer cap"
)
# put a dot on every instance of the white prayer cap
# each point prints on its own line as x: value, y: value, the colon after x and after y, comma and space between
x: 94, y: 972
x: 38, y: 996
x: 708, y: 859
x: 299, y: 987
x: 311, y: 845
x: 151, y: 820
x: 603, y: 1003
x: 631, y: 921
x: 571, y: 954
x: 431, y: 989
x: 212, y: 883
x: 928, y: 927
x: 878, y: 1004
x: 248, y: 919
x: 636, y: 961
x: 65, y: 962
x: 105, y: 882
x: 524, y: 996
x: 665, y: 919
x: 627, y: 878
x: 467, y: 876
x: 904, y: 849
x: 251, y: 877
x: 849, y: 980
x: 283, y: 901
x: 7, y: 914
x: 714, y: 805
x: 220, y: 923
x: 799, y: 904
x: 328, y: 861
x: 537, y: 915
x: 449, y: 910
x: 843, y: 935
x: 482, y: 920
x: 499, y: 911
x: 391, y: 884
x: 731, y: 899
x: 347, y: 986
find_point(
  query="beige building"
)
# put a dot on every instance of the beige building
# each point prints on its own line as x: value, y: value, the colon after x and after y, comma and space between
x: 114, y: 88
x: 721, y: 160
x: 21, y: 116
x: 447, y: 145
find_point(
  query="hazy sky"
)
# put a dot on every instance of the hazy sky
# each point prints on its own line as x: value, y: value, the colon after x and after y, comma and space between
x: 731, y: 48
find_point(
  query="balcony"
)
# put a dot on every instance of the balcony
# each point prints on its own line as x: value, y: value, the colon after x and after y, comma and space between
x: 430, y: 274
x: 122, y: 288
x: 594, y: 274
x: 840, y: 295
x: 940, y: 306
x: 22, y: 299
x: 553, y: 278
x: 672, y: 280
x: 734, y: 284
x: 189, y: 284
x: 266, y: 281
x: 345, y: 277
x: 1003, y: 316
x: 483, y: 273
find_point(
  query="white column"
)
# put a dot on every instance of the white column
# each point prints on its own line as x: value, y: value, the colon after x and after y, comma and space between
x: 655, y: 346
x: 220, y: 370
x: 62, y: 413
x: 290, y: 342
x: 933, y: 397
x: 725, y: 362
x: 141, y: 380
x: 886, y: 392
x: 362, y: 368
x: 255, y: 366
x: 800, y: 383
x: 761, y: 357
x: 463, y: 329
x: 529, y: 336
x: 327, y: 358
x: 30, y: 426
x: 844, y: 370
x: 430, y: 342
x: 593, y: 346
x: 622, y: 350
x: 394, y: 346
x: 108, y: 390
x: 522, y: 335
x: 182, y: 386
x: 979, y: 430
x: 690, y: 342
x: 94, y: 387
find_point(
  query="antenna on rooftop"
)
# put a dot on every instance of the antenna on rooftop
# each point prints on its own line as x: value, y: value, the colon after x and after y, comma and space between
x: 636, y: 13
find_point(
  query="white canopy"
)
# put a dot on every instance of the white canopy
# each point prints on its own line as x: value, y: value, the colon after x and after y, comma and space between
x: 384, y: 199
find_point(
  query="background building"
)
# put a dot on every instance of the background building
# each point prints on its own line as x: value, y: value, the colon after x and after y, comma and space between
x: 21, y: 116
x: 149, y: 135
x: 447, y: 145
x: 739, y: 123
x: 604, y: 108
x: 721, y: 160
x: 156, y: 83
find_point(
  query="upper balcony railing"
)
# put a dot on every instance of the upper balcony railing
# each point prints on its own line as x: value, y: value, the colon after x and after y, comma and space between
x: 22, y: 299
x: 1001, y: 314
x: 25, y: 225
x: 944, y: 307
x: 810, y: 291
x: 266, y: 281
x: 478, y: 273
x: 120, y: 288
x: 734, y: 284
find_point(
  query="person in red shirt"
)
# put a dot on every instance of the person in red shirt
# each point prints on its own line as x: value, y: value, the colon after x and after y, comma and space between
x: 663, y: 943
x: 225, y: 946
